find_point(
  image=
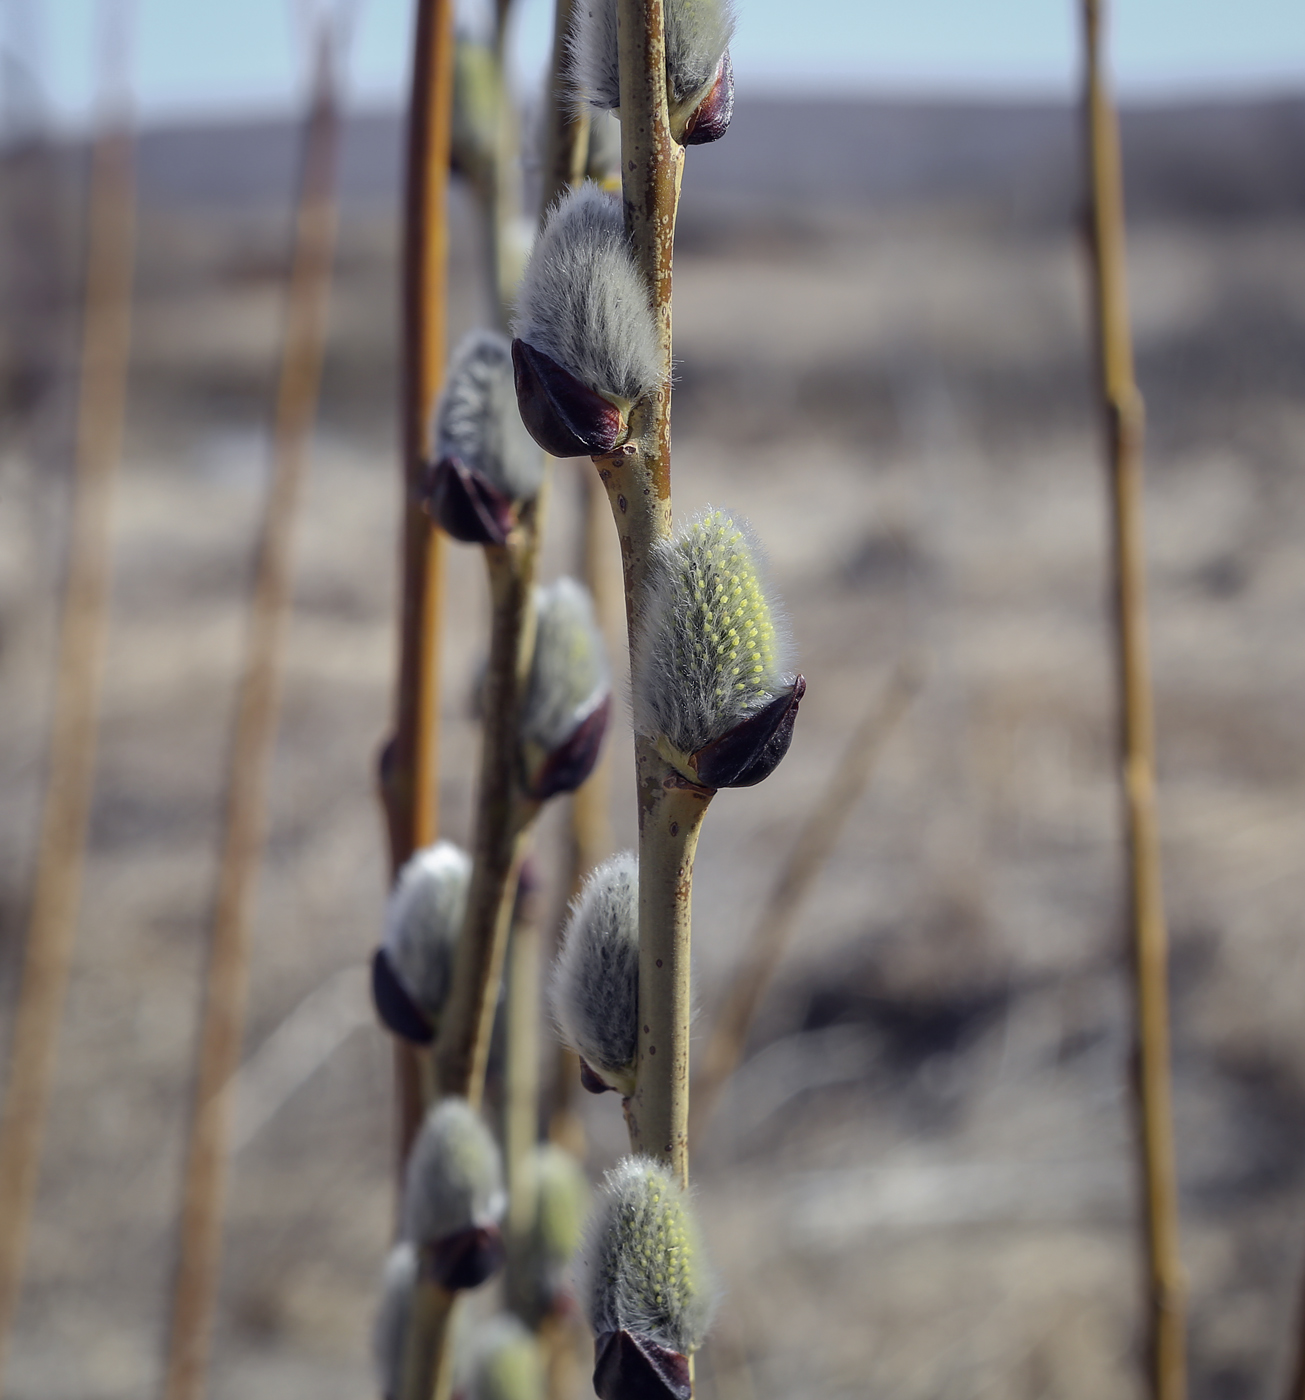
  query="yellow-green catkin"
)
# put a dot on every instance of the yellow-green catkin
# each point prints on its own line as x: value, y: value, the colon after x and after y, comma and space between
x: 645, y: 1266
x: 508, y: 1364
x: 712, y: 646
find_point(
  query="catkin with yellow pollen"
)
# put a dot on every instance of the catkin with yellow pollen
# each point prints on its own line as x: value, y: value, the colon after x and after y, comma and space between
x: 712, y: 647
x: 646, y: 1268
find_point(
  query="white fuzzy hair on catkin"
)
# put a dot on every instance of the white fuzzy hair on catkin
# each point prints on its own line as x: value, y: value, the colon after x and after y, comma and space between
x: 569, y: 674
x: 697, y: 34
x: 423, y: 920
x: 390, y: 1329
x: 582, y: 301
x: 595, y: 986
x: 643, y: 1264
x: 711, y: 647
x: 478, y: 421
x: 454, y: 1178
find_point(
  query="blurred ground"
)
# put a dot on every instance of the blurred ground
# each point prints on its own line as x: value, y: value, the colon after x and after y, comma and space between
x: 920, y: 1183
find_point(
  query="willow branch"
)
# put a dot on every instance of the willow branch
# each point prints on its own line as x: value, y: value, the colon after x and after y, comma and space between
x: 410, y: 763
x: 1123, y: 413
x: 226, y: 980
x: 810, y: 853
x: 106, y: 338
x: 638, y: 481
x: 502, y: 816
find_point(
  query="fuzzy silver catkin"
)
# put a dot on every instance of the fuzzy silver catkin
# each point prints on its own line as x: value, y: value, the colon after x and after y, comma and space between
x: 711, y: 646
x: 595, y: 986
x: 645, y: 1268
x: 697, y: 34
x: 390, y: 1328
x: 507, y: 1363
x: 569, y: 674
x: 454, y: 1178
x: 582, y: 301
x: 423, y: 920
x: 478, y: 422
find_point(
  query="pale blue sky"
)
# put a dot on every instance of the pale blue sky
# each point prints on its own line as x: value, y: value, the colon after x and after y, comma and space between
x: 205, y: 57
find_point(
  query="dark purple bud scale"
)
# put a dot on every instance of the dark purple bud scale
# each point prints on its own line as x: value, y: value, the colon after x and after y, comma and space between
x: 466, y: 1259
x: 752, y: 750
x: 630, y: 1366
x: 466, y: 505
x: 565, y: 417
x: 566, y: 768
x: 398, y: 1012
x: 711, y: 118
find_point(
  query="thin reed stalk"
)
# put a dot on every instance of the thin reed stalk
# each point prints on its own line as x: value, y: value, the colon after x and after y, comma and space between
x: 225, y: 983
x: 1123, y: 414
x: 106, y: 340
x: 410, y: 763
x: 810, y: 852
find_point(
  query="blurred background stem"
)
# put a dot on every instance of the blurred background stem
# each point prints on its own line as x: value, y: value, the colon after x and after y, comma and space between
x: 60, y: 859
x: 225, y: 983
x: 410, y: 761
x: 1123, y: 423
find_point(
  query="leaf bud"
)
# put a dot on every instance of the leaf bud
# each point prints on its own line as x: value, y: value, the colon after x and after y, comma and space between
x: 412, y: 968
x: 484, y: 461
x: 649, y: 1291
x: 699, y: 76
x: 586, y: 344
x: 453, y: 1196
x: 390, y: 1328
x: 709, y: 682
x: 569, y: 696
x: 507, y: 1363
x: 595, y: 986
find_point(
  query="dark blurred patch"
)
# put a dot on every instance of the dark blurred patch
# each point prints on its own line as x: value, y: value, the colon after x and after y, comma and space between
x: 912, y: 1028
x: 1228, y: 1382
x: 1242, y: 1115
x: 887, y: 559
x: 1201, y: 383
x: 1223, y: 577
x: 123, y: 818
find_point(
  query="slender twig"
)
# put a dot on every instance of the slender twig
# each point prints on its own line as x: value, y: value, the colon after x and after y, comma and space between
x: 502, y: 816
x: 811, y: 851
x: 226, y: 979
x: 521, y: 1093
x: 637, y: 478
x: 106, y: 336
x: 409, y: 766
x: 1123, y: 411
x: 566, y: 142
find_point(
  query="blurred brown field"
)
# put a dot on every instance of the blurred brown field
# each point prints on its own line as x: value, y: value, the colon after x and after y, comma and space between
x: 920, y: 1182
